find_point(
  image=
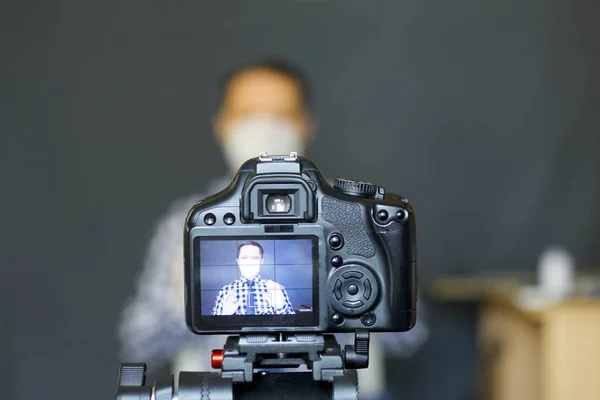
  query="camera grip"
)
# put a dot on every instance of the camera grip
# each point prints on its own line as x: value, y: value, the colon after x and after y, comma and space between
x: 347, y: 217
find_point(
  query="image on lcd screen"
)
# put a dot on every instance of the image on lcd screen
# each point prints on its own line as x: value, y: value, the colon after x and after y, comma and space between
x: 256, y: 277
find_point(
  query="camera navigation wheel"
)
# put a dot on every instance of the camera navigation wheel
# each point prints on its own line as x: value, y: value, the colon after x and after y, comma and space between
x: 352, y: 289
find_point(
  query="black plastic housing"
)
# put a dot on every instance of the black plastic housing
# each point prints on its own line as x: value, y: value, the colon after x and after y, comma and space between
x: 378, y: 244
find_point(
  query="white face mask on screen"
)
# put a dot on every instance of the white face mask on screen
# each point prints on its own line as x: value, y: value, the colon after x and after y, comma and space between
x: 249, y: 270
x: 250, y: 136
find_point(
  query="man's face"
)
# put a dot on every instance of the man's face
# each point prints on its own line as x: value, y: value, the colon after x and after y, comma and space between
x: 250, y: 261
x: 262, y: 92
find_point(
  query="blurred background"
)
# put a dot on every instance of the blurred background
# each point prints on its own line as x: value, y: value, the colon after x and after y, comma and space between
x: 484, y: 115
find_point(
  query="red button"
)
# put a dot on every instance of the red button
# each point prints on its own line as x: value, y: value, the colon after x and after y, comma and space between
x: 216, y: 358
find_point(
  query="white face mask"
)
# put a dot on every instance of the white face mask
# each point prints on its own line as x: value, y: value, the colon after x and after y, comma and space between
x: 249, y: 261
x: 249, y: 271
x: 250, y: 136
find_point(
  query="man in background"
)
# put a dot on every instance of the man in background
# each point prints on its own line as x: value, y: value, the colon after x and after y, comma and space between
x: 265, y: 107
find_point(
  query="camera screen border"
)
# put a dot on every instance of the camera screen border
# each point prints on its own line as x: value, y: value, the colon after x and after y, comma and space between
x: 238, y: 323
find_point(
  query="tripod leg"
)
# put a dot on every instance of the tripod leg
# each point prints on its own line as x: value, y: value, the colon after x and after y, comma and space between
x: 345, y: 387
x: 163, y: 388
x: 204, y: 386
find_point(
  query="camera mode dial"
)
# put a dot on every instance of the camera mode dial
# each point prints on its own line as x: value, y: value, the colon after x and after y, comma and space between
x: 355, y: 188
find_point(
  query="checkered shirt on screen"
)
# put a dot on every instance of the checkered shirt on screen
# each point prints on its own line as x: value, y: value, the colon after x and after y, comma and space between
x: 264, y: 291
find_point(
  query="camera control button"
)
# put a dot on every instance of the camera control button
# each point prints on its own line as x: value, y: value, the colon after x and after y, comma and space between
x: 337, y: 261
x: 382, y: 215
x: 336, y: 241
x: 368, y: 319
x: 337, y: 290
x: 337, y: 318
x: 352, y: 274
x: 346, y: 289
x: 353, y: 303
x: 368, y: 288
x: 352, y: 290
x: 229, y: 219
x: 210, y: 219
x: 400, y: 215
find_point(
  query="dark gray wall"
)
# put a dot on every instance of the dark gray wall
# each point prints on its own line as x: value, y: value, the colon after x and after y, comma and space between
x: 484, y: 116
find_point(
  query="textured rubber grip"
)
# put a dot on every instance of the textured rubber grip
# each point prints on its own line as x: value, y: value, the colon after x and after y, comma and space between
x: 348, y: 219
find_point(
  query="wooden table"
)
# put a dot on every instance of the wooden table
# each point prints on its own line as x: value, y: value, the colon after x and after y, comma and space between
x: 552, y: 353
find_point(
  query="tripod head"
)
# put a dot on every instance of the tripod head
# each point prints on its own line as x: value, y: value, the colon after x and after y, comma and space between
x: 243, y: 361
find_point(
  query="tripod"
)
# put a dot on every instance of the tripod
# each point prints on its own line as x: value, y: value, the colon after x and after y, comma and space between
x: 333, y: 373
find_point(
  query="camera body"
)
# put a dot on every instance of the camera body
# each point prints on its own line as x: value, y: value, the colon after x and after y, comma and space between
x: 333, y: 258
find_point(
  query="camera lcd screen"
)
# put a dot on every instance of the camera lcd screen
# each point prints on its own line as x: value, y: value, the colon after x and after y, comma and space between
x: 246, y: 281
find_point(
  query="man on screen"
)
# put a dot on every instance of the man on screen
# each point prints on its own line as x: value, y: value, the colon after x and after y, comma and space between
x: 250, y: 294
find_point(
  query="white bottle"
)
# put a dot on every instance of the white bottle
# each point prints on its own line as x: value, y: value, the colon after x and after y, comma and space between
x: 556, y: 273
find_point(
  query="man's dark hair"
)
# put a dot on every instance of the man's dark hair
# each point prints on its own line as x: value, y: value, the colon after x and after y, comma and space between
x: 275, y: 65
x: 250, y: 243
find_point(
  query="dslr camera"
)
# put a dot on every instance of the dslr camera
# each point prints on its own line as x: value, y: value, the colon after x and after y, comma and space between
x: 282, y: 259
x: 345, y: 254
